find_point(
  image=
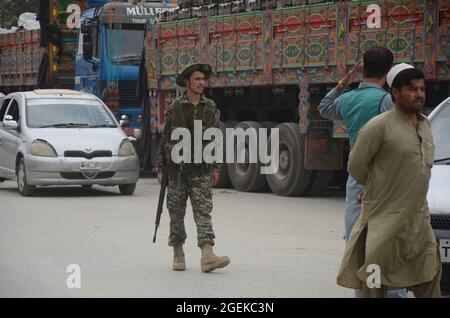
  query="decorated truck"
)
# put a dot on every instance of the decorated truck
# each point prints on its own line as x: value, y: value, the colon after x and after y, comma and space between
x: 42, y: 58
x: 272, y: 63
x: 110, y: 47
x: 89, y: 45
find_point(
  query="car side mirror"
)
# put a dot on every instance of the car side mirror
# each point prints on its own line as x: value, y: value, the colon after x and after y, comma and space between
x: 10, y: 123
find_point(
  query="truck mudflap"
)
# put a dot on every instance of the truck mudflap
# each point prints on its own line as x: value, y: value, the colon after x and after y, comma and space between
x: 322, y: 151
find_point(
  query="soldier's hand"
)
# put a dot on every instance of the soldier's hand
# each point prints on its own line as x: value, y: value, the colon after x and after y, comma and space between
x: 215, y: 177
x: 160, y: 177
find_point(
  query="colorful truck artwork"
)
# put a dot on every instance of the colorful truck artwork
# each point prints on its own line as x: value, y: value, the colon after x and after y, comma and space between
x: 272, y: 63
x: 42, y: 58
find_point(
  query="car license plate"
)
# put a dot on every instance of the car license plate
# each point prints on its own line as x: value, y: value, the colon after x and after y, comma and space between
x: 444, y: 246
x: 90, y: 165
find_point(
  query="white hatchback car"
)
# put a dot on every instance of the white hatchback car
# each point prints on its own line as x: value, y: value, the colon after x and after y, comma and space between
x: 439, y: 191
x: 64, y: 137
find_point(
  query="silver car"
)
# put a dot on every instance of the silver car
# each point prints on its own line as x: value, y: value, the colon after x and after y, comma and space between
x: 439, y: 191
x: 63, y: 137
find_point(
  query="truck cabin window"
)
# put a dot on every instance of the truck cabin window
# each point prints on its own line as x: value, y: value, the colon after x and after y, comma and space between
x: 126, y: 42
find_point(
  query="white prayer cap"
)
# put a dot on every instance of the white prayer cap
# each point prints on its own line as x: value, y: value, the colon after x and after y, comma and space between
x: 395, y: 70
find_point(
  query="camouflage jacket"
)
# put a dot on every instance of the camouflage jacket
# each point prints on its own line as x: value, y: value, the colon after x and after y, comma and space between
x: 189, y: 109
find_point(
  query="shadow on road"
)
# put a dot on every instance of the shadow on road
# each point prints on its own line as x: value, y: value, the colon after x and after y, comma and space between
x: 68, y: 191
x: 333, y: 192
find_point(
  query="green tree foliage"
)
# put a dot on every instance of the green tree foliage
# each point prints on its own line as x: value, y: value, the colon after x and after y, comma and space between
x: 11, y: 9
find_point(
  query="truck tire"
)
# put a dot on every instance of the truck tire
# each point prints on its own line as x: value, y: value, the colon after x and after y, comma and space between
x: 291, y: 179
x: 247, y: 177
x: 231, y: 123
x: 224, y: 178
x: 269, y: 125
x: 339, y: 179
x: 319, y: 182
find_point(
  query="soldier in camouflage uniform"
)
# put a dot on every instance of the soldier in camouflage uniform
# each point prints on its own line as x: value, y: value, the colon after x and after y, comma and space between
x: 192, y: 180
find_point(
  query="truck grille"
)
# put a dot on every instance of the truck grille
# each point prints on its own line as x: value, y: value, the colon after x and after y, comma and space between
x: 440, y: 222
x: 87, y: 155
x: 128, y: 92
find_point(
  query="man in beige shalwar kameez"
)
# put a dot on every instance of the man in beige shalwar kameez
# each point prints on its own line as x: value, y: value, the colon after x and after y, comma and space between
x: 392, y: 158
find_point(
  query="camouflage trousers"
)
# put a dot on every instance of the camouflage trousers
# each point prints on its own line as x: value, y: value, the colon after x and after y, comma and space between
x: 198, y: 189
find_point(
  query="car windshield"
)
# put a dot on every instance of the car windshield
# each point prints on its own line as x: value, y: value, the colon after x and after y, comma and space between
x: 67, y: 113
x: 440, y: 125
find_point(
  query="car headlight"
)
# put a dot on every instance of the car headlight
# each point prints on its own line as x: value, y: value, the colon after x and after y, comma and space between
x: 126, y: 149
x: 42, y: 149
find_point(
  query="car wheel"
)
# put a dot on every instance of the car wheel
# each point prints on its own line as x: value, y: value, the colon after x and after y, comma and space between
x: 127, y: 189
x: 23, y: 187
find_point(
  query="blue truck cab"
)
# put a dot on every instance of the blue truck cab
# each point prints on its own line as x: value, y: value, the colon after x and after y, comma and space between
x: 110, y: 46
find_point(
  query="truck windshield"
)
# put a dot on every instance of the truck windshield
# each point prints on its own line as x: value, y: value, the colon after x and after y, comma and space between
x: 125, y: 42
x: 67, y: 113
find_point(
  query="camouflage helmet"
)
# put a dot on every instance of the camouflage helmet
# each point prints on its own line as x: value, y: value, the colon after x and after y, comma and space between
x: 204, y: 68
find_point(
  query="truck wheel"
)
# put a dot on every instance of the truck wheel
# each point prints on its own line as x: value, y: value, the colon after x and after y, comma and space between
x: 268, y: 124
x: 224, y: 178
x: 246, y: 176
x: 231, y: 123
x: 23, y: 187
x: 319, y: 182
x: 291, y: 179
x: 127, y: 189
x: 339, y: 179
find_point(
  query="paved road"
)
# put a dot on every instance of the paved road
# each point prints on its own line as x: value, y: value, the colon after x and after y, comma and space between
x: 279, y: 247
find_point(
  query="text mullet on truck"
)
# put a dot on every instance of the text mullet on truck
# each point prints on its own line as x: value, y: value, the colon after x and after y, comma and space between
x: 273, y: 62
